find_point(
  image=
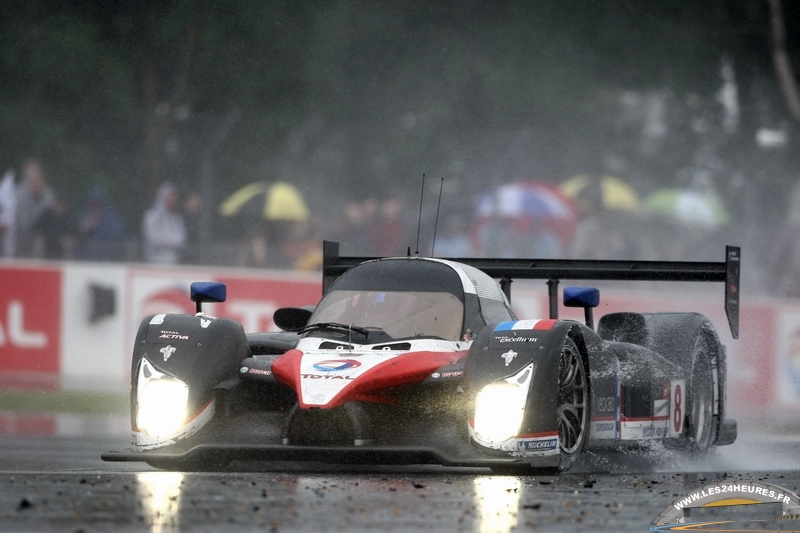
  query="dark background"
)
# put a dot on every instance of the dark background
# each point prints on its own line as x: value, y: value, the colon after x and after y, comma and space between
x: 350, y: 99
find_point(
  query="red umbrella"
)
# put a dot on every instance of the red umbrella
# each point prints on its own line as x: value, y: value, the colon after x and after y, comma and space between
x: 525, y: 210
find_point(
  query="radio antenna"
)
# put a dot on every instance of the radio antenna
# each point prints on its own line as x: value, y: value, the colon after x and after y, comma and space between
x: 419, y: 220
x: 436, y: 224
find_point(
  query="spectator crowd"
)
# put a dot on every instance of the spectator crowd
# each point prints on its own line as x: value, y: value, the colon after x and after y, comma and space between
x: 37, y: 222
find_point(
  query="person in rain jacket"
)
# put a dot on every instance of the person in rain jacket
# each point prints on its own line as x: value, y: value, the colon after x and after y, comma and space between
x: 163, y: 228
x: 100, y: 230
x: 33, y: 199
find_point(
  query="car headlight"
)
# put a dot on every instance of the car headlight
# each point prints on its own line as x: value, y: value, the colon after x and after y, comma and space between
x: 500, y: 407
x: 162, y: 401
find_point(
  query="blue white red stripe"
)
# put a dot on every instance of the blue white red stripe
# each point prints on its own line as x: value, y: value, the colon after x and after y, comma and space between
x: 537, y: 324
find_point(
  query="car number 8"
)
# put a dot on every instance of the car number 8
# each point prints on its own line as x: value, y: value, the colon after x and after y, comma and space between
x: 677, y: 412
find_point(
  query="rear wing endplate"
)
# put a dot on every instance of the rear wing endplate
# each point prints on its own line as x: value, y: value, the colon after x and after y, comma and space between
x: 555, y: 270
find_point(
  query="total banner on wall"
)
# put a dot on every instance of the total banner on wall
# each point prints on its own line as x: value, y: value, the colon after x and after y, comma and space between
x: 72, y: 325
x: 30, y: 329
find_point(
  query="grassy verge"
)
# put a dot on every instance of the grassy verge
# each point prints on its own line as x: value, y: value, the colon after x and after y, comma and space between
x: 96, y: 403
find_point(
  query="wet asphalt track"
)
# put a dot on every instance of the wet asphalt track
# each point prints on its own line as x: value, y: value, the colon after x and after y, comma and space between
x: 60, y: 484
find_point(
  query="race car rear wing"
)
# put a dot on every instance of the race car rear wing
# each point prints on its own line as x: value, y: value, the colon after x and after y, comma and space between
x: 554, y: 270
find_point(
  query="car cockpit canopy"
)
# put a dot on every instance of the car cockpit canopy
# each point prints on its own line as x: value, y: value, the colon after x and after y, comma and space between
x: 414, y: 297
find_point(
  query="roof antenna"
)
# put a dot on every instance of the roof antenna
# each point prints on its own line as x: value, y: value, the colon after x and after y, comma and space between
x: 436, y: 224
x: 419, y: 221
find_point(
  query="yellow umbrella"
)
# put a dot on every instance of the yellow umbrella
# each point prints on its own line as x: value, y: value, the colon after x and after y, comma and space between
x: 272, y: 201
x: 615, y: 194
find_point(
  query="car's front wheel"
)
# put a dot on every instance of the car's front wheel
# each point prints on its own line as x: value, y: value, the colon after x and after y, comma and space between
x: 573, y: 403
x: 573, y: 412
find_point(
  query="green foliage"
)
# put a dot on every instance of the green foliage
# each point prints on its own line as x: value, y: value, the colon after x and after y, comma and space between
x: 98, y: 403
x: 347, y: 95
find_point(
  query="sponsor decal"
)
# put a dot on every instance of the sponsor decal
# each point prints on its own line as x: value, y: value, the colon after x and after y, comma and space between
x: 654, y: 432
x: 259, y: 371
x: 644, y: 428
x: 661, y: 408
x: 244, y: 370
x: 173, y: 335
x: 205, y: 322
x: 453, y: 374
x: 732, y: 506
x: 325, y: 376
x: 167, y: 352
x: 509, y: 356
x: 516, y: 339
x: 537, y: 444
x: 606, y: 404
x: 336, y: 365
x: 603, y: 427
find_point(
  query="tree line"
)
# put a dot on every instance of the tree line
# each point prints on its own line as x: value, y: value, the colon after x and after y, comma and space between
x: 364, y: 97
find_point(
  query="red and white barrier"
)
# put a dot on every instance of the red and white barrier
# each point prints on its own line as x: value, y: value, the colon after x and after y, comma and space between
x: 72, y: 325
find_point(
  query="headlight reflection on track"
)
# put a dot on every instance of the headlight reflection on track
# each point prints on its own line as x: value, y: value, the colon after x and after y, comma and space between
x: 160, y: 496
x: 497, y: 502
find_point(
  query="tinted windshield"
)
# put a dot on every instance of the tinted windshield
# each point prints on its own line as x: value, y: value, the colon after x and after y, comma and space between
x: 400, y: 314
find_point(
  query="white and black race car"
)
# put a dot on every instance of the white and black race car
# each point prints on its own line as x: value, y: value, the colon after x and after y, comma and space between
x: 414, y: 360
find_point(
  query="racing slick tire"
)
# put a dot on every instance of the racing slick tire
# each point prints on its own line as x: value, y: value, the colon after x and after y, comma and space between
x: 700, y: 423
x: 573, y: 403
x: 689, y: 340
x: 573, y: 410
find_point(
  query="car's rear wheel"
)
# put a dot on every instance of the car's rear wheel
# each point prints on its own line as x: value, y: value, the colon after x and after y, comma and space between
x: 700, y: 422
x: 573, y: 403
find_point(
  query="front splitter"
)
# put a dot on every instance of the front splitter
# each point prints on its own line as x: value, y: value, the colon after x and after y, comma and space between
x: 360, y: 455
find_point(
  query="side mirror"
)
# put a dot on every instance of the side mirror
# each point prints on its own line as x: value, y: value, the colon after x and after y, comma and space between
x: 586, y: 297
x: 292, y: 318
x: 207, y: 291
